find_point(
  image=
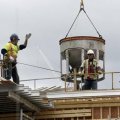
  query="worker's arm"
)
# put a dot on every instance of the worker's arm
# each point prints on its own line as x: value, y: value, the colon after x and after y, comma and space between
x: 100, y: 70
x: 4, y: 51
x: 23, y: 46
x: 82, y: 66
x: 81, y: 69
x: 26, y: 39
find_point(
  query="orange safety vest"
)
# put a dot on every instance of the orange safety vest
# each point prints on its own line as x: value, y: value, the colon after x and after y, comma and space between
x: 90, y: 69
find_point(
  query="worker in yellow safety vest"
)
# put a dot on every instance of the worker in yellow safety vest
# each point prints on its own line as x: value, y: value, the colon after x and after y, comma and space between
x: 10, y: 51
x: 90, y: 70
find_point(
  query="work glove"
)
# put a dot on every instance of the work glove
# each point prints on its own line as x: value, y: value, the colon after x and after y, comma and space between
x: 11, y: 59
x: 80, y: 73
x: 28, y: 36
x: 99, y: 70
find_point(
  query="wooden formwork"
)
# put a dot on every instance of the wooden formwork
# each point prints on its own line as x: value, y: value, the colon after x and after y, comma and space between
x: 76, y: 110
x: 95, y: 113
x: 76, y: 105
x: 83, y: 109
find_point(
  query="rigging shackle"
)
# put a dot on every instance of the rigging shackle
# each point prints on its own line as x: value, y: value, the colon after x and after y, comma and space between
x: 81, y: 5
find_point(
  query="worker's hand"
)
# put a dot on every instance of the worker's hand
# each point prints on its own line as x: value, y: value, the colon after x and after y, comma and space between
x: 11, y: 59
x: 99, y: 70
x: 28, y: 36
x: 80, y: 74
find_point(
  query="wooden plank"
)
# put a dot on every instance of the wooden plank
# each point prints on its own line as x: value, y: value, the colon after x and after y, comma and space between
x: 19, y: 99
x: 27, y: 117
x: 13, y: 114
x: 96, y: 100
x: 10, y: 118
x: 63, y: 115
x: 65, y: 111
x: 86, y: 105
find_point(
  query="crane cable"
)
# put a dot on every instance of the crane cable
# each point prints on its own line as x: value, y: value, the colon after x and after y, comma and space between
x: 92, y: 24
x: 39, y: 79
x: 38, y: 67
x: 82, y: 9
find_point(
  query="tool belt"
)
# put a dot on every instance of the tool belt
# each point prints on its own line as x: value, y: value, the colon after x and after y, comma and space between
x: 7, y: 62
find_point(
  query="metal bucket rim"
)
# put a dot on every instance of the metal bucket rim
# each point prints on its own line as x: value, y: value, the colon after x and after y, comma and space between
x: 82, y: 38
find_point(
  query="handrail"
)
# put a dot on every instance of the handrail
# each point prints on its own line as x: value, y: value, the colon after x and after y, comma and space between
x: 65, y: 77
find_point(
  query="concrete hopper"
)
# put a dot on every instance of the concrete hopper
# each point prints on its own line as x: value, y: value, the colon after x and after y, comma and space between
x: 73, y: 51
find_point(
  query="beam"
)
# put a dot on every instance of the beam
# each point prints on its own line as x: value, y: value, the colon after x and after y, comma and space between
x: 63, y: 115
x: 87, y: 100
x: 86, y: 105
x: 54, y: 112
x: 28, y: 117
x: 83, y: 94
x: 23, y: 101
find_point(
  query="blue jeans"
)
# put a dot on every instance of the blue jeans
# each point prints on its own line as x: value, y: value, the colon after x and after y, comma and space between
x: 90, y: 84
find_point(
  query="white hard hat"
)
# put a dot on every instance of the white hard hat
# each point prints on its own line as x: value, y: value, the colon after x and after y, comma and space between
x: 90, y: 52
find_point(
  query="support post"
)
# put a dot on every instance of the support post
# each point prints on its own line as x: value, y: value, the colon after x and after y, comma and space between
x: 112, y: 81
x: 34, y: 84
x: 21, y: 114
x: 75, y: 80
x: 67, y: 62
x: 83, y: 57
x: 65, y: 83
x: 61, y: 64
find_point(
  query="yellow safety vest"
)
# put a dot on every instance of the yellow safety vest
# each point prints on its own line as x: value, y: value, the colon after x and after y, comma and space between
x: 12, y: 50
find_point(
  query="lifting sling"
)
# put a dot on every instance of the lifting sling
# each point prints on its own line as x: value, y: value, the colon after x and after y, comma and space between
x: 82, y: 9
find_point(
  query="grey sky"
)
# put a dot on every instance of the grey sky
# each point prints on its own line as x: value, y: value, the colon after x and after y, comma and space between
x: 49, y: 21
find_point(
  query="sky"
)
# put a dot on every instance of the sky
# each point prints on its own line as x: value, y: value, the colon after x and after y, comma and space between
x: 49, y: 21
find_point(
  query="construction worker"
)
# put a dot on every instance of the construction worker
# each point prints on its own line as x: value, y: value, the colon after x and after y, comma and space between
x: 90, y: 70
x: 10, y: 51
